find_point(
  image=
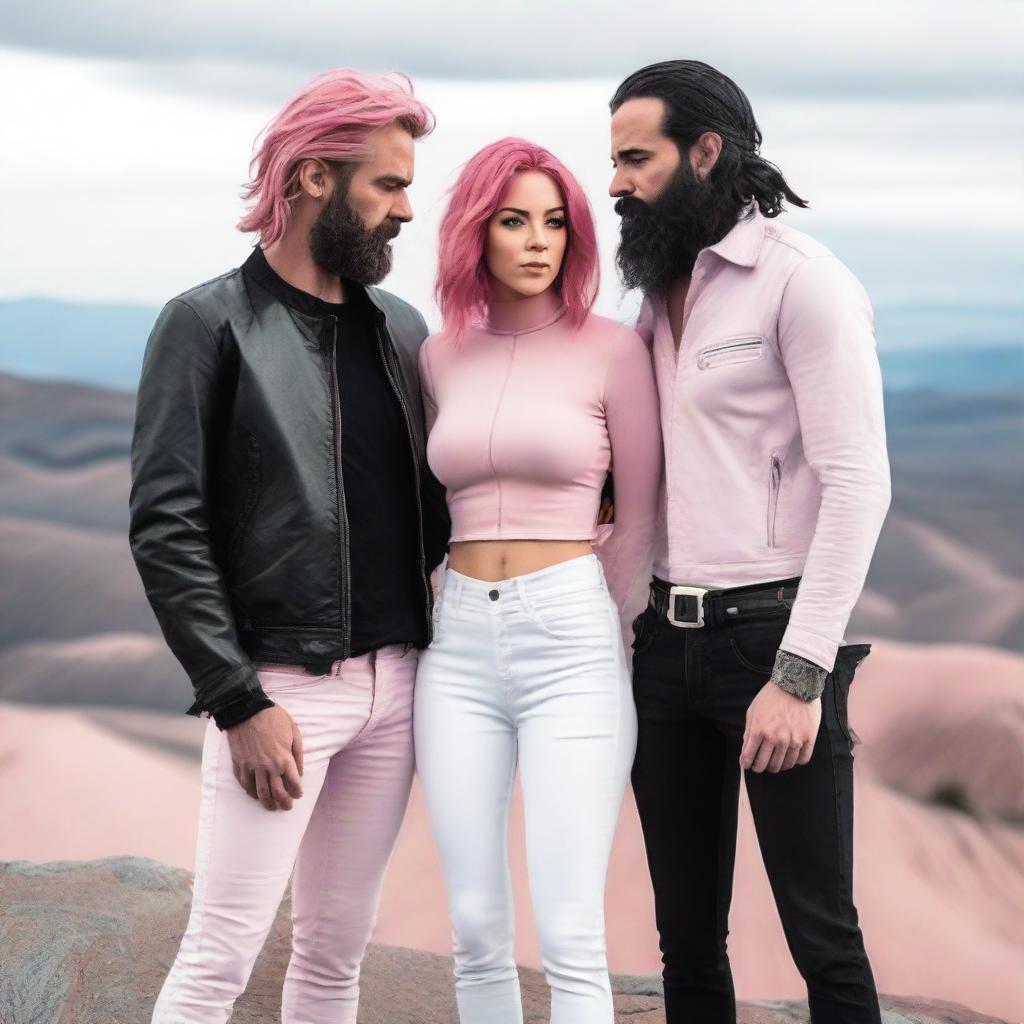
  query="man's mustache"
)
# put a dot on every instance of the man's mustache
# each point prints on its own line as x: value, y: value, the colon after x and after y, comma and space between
x: 629, y: 206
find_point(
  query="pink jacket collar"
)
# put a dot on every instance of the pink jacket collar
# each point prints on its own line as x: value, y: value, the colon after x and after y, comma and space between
x: 742, y: 245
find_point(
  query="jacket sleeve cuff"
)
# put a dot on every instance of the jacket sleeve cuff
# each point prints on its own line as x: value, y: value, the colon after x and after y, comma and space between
x: 241, y: 709
x: 798, y: 676
x: 807, y: 644
x: 233, y: 699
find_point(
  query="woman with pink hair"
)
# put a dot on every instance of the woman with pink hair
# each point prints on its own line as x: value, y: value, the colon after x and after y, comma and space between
x: 530, y: 400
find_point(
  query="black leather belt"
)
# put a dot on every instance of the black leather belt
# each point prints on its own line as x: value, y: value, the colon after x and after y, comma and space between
x: 697, y: 607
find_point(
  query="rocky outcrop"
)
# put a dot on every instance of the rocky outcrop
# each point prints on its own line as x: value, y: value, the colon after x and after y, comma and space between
x: 90, y: 943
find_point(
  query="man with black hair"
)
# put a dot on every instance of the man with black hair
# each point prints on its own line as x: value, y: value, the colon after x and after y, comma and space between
x: 777, y: 484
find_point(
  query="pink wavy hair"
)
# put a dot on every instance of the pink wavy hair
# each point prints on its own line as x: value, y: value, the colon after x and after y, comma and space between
x: 462, y: 277
x: 330, y: 119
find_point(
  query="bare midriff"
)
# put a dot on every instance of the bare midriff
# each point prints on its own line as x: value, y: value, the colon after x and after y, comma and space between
x: 494, y: 560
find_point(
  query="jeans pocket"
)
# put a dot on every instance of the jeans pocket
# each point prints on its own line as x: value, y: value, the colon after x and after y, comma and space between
x: 645, y: 625
x: 285, y: 678
x: 577, y: 618
x: 848, y: 659
x: 751, y: 643
x: 747, y: 663
x: 437, y: 618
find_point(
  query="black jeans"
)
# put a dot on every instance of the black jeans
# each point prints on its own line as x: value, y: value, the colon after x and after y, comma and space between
x: 692, y: 689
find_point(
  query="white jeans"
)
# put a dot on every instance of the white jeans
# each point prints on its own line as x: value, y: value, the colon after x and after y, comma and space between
x: 534, y: 666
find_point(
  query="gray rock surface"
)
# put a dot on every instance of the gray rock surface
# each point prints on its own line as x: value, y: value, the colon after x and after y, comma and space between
x: 91, y: 942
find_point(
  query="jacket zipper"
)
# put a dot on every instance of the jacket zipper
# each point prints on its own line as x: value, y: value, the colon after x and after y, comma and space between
x: 707, y: 353
x: 775, y: 484
x: 416, y: 477
x: 345, y: 579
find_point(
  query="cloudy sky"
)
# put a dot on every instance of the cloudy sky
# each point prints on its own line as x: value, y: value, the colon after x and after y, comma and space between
x: 124, y: 138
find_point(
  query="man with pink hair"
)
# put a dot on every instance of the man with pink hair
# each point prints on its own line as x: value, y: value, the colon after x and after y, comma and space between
x: 285, y: 523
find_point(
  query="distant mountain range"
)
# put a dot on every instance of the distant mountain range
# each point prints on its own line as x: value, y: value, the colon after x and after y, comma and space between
x: 954, y: 350
x: 97, y: 344
x: 949, y: 566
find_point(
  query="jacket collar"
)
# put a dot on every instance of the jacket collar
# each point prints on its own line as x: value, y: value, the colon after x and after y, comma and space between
x: 259, y: 269
x: 742, y: 245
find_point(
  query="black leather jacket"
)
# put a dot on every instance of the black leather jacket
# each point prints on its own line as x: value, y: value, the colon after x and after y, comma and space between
x: 238, y: 523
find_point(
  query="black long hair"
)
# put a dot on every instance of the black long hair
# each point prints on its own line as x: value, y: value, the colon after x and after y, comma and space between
x: 698, y: 98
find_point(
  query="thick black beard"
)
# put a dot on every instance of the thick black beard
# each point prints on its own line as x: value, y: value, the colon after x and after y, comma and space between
x: 341, y: 244
x: 660, y: 240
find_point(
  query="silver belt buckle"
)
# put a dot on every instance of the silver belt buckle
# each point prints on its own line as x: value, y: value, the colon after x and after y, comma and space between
x: 697, y: 592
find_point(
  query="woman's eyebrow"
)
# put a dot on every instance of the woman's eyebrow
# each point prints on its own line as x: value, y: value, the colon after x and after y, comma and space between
x: 526, y: 213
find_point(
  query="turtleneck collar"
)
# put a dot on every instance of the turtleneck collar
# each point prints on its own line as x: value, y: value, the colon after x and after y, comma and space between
x: 523, y: 316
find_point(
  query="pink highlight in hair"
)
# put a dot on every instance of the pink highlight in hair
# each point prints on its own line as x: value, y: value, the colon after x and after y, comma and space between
x: 463, y: 280
x: 332, y: 118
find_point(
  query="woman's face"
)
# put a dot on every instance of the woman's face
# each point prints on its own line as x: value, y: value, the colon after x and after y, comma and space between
x: 526, y: 237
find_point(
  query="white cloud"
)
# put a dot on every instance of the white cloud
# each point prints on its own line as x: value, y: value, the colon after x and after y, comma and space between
x: 132, y: 193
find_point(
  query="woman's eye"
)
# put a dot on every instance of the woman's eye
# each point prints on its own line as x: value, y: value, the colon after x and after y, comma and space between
x: 557, y: 222
x: 511, y: 221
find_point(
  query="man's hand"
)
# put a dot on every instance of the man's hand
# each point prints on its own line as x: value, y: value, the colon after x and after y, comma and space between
x: 266, y: 752
x: 781, y: 730
x: 606, y: 513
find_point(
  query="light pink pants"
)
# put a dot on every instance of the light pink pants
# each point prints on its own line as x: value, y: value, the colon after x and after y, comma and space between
x: 356, y: 726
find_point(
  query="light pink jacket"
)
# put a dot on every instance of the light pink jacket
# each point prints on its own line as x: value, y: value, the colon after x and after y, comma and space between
x: 773, y: 428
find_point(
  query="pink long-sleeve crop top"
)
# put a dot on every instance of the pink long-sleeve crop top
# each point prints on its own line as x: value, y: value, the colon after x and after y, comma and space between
x: 527, y: 414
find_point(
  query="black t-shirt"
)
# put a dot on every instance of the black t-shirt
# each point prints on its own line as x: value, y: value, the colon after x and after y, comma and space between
x: 388, y: 599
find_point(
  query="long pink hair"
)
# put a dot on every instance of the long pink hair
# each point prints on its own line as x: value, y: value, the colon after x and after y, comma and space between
x: 462, y: 277
x: 330, y: 119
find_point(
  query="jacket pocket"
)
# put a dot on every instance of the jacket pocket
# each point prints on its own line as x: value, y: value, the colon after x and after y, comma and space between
x: 728, y: 351
x: 253, y: 483
x: 774, y: 486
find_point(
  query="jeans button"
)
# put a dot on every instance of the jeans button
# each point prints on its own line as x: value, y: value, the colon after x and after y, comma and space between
x: 493, y: 595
